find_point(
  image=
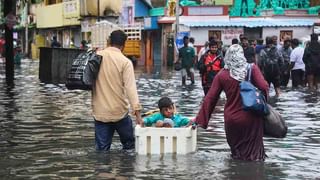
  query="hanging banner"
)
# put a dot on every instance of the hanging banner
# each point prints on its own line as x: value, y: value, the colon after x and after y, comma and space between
x: 179, y: 40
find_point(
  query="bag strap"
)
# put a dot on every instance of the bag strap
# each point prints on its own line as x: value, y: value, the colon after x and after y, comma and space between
x: 215, y: 59
x: 249, y: 72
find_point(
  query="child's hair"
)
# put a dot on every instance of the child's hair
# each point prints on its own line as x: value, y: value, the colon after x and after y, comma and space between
x: 164, y: 102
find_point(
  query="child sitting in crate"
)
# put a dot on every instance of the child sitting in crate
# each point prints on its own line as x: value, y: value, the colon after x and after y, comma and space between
x: 166, y: 117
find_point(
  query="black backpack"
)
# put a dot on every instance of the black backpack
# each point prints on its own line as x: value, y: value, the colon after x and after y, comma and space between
x: 313, y: 58
x: 271, y: 55
x: 84, y: 71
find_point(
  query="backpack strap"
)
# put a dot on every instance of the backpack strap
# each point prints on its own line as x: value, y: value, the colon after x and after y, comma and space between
x: 249, y: 69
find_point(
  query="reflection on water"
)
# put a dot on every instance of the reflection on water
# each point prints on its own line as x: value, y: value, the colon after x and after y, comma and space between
x: 47, y: 131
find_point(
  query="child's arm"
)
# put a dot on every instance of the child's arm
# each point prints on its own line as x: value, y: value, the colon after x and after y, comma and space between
x: 148, y: 121
x: 181, y: 120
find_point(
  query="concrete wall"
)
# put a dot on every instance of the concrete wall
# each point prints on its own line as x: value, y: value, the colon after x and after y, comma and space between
x: 50, y: 16
x: 201, y: 35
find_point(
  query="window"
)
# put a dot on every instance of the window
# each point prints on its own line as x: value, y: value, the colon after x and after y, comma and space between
x: 253, y: 33
x: 214, y: 34
x: 285, y: 35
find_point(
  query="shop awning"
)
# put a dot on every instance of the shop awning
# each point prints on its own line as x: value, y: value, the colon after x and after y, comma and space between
x: 250, y: 23
x: 166, y: 20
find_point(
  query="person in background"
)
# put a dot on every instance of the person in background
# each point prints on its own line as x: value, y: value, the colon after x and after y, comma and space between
x: 209, y: 65
x: 114, y: 89
x: 253, y: 43
x: 55, y: 43
x: 275, y: 42
x: 167, y: 116
x: 2, y: 46
x: 297, y: 65
x: 191, y: 44
x: 244, y: 129
x: 258, y: 48
x: 241, y: 36
x: 17, y: 52
x: 187, y: 59
x: 271, y: 62
x: 203, y: 50
x: 285, y: 70
x: 84, y: 44
x: 221, y: 50
x: 311, y: 59
x: 234, y: 41
x: 248, y: 50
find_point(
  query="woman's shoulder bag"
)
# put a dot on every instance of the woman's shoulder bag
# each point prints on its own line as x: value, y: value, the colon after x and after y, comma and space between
x: 252, y: 98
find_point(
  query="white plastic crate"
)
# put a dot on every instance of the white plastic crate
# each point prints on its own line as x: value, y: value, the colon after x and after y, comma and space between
x: 152, y: 140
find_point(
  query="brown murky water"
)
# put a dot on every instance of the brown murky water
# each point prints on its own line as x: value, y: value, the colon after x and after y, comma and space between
x: 46, y: 132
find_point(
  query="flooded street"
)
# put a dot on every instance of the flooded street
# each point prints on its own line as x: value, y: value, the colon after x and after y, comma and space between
x: 46, y: 132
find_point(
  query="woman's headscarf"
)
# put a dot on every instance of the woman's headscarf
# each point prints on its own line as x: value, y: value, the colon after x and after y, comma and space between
x: 235, y: 62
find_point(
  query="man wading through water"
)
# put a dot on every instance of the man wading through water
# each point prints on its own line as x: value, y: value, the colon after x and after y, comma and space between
x: 187, y: 59
x: 270, y: 63
x: 115, y: 87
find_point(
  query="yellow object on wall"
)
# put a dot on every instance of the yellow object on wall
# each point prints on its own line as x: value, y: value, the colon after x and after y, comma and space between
x: 132, y: 48
x: 34, y: 51
x: 171, y: 7
x: 39, y: 42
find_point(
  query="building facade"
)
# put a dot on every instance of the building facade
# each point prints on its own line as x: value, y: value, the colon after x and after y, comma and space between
x: 225, y: 20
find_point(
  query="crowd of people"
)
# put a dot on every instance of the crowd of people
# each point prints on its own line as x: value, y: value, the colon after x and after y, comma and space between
x: 221, y: 70
x: 278, y: 63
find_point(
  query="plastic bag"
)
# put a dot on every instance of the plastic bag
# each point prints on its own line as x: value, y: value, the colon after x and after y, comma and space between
x: 84, y: 71
x: 274, y: 124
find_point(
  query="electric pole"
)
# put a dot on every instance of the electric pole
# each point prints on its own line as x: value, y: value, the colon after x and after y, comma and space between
x: 9, y: 14
x: 177, y: 17
x: 177, y: 29
x: 26, y: 27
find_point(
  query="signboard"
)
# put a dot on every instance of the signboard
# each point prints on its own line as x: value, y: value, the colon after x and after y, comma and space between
x: 231, y: 33
x: 70, y: 9
x: 199, y: 11
x: 150, y: 23
x: 85, y: 26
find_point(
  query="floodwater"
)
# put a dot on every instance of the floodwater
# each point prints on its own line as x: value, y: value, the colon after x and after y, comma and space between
x: 46, y: 132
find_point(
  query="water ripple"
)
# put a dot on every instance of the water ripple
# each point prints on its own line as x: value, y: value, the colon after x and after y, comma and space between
x: 47, y: 132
